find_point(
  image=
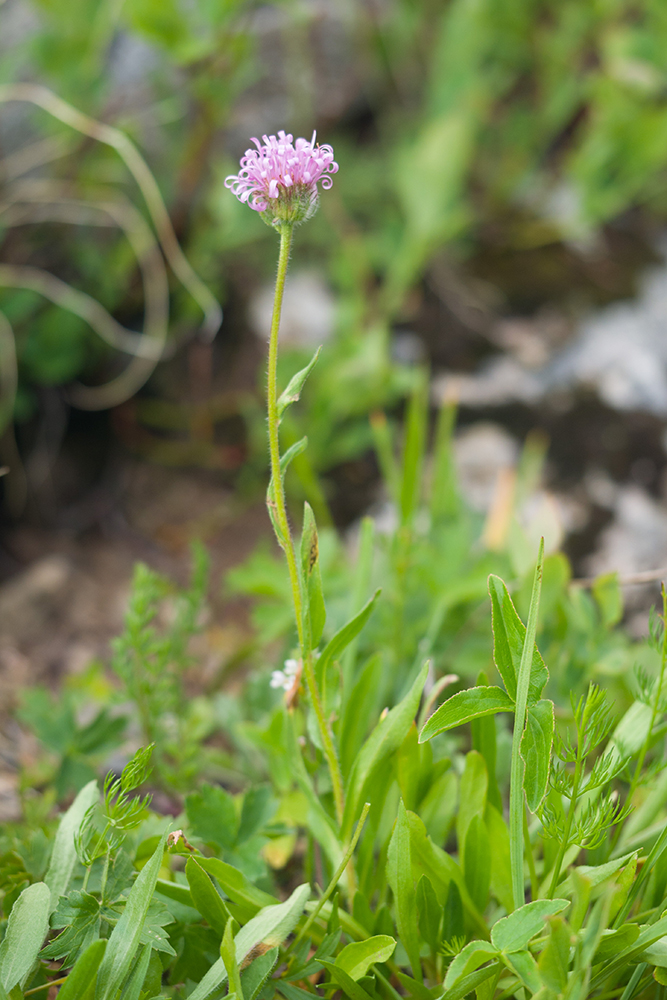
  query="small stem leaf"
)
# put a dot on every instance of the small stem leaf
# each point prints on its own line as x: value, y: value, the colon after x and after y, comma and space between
x: 474, y: 703
x: 536, y: 744
x: 345, y: 635
x: 295, y: 385
x: 27, y: 927
x: 509, y: 635
x: 514, y: 932
x: 474, y: 954
x: 312, y: 580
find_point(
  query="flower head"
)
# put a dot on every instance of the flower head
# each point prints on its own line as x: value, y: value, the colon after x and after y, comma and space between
x: 285, y: 678
x: 280, y: 177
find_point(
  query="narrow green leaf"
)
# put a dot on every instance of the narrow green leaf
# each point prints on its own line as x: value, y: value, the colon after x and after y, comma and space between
x: 472, y: 794
x: 80, y: 984
x: 235, y: 884
x: 499, y: 842
x: 228, y: 956
x: 413, y: 452
x: 524, y: 966
x: 430, y: 912
x: 205, y: 896
x: 134, y: 985
x: 512, y: 933
x: 63, y: 856
x: 477, y: 862
x: 474, y: 954
x: 125, y: 936
x: 269, y: 927
x: 536, y: 743
x: 474, y: 703
x: 483, y: 734
x: 345, y: 635
x: 509, y: 634
x: 296, y: 384
x: 255, y: 976
x: 27, y: 927
x: 470, y: 983
x: 554, y: 962
x: 351, y: 989
x: 356, y: 958
x: 310, y: 569
x: 383, y: 741
x: 400, y: 878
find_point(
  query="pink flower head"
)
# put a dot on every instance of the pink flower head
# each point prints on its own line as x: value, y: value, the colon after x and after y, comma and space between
x: 280, y: 177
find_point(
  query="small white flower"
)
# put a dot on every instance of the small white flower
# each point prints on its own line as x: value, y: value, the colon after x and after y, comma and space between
x: 285, y: 678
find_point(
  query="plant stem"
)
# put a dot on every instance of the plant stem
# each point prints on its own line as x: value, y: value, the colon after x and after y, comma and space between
x: 281, y: 524
x: 517, y: 802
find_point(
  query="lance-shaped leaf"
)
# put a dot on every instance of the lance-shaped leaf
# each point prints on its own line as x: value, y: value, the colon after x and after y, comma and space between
x: 206, y: 897
x: 312, y: 580
x: 345, y: 635
x: 296, y: 384
x: 63, y: 857
x: 536, y: 743
x: 465, y: 706
x: 80, y: 984
x: 285, y: 460
x: 400, y: 878
x: 26, y: 929
x: 512, y: 933
x: 509, y: 634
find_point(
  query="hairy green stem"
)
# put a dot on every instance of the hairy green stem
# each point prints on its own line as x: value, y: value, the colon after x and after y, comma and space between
x: 283, y: 529
x: 517, y: 800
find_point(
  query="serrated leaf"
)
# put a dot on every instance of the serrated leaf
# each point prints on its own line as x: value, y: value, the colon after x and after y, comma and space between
x: 79, y: 914
x: 512, y: 933
x: 63, y: 856
x: 357, y: 957
x: 509, y: 634
x: 474, y: 703
x: 27, y: 927
x: 296, y: 384
x: 536, y: 744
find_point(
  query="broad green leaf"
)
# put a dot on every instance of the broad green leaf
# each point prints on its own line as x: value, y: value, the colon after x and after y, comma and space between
x: 235, y: 884
x: 351, y: 989
x: 80, y: 984
x: 524, y: 965
x: 477, y: 862
x: 474, y: 954
x: 64, y: 857
x: 296, y: 384
x: 383, y: 741
x: 401, y: 880
x: 596, y: 874
x: 614, y: 941
x: 212, y: 815
x: 536, y: 743
x: 125, y: 937
x: 356, y: 958
x: 255, y: 976
x: 512, y: 933
x: 474, y: 703
x: 206, y: 897
x: 470, y: 983
x: 27, y: 927
x: 310, y: 570
x: 269, y: 927
x: 509, y: 634
x: 430, y: 912
x: 554, y: 962
x: 472, y: 794
x: 345, y: 635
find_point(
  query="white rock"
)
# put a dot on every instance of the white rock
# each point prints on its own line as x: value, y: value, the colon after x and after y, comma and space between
x: 307, y: 315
